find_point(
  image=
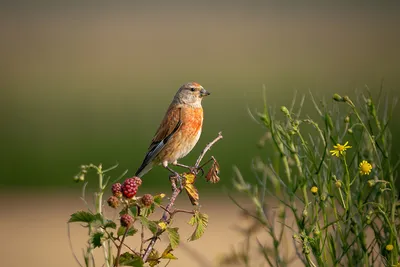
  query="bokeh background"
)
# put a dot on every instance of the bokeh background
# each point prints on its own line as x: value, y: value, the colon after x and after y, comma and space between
x: 89, y: 82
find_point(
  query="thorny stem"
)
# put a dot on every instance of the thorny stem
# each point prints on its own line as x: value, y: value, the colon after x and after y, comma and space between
x: 175, y: 193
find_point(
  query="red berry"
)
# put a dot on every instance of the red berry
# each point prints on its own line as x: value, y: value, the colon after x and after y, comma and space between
x: 126, y: 220
x: 147, y: 199
x: 129, y: 188
x: 113, y: 202
x: 116, y: 189
x: 137, y: 180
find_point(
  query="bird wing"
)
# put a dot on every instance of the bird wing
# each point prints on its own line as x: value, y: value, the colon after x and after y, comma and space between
x: 168, y: 127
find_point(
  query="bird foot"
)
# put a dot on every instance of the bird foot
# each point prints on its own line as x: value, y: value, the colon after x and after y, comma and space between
x: 176, y: 181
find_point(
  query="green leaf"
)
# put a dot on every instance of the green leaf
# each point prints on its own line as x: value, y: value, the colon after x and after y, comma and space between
x: 201, y: 222
x: 153, y: 258
x: 152, y: 226
x: 97, y: 239
x: 167, y: 254
x: 146, y: 211
x: 173, y: 236
x: 133, y: 210
x: 128, y: 259
x: 158, y: 198
x: 82, y: 216
x: 122, y: 229
x: 110, y: 224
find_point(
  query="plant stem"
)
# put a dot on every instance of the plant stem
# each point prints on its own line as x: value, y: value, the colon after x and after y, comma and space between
x: 120, y: 247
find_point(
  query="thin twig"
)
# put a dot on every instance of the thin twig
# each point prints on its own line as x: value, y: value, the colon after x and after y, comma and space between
x: 120, y: 247
x: 208, y: 146
x: 71, y: 247
x: 141, y: 240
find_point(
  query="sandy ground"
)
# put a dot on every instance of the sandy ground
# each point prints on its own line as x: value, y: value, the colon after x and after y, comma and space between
x: 33, y: 229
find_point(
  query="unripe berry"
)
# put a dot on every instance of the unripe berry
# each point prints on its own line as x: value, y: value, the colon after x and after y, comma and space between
x: 138, y: 181
x: 126, y: 220
x: 116, y: 189
x: 147, y: 200
x: 113, y: 202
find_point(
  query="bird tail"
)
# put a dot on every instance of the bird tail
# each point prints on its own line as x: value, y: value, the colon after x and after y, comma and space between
x: 143, y: 169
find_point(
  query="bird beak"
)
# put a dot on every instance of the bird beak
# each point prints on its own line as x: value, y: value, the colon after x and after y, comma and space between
x: 203, y: 92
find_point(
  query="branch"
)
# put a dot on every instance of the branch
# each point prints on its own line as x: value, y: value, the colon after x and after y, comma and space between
x: 120, y: 246
x: 175, y: 192
x: 208, y: 147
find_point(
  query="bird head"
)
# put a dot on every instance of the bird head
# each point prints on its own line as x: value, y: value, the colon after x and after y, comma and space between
x: 191, y: 93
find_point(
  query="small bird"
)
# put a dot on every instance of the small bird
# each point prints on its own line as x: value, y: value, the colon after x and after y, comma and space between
x: 179, y: 131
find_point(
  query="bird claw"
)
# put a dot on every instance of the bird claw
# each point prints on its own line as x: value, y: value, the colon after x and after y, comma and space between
x: 176, y: 179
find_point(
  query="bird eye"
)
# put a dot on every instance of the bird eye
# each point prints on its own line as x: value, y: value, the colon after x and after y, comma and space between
x: 192, y: 89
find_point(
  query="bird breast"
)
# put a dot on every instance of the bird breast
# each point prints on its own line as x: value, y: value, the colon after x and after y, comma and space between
x: 187, y: 136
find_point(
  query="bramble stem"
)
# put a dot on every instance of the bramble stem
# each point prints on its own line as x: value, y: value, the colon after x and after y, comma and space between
x: 175, y: 193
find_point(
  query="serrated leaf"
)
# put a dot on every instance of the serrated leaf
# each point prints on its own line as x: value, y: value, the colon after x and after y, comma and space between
x: 153, y: 258
x: 128, y: 259
x: 146, y: 211
x: 82, y: 216
x: 110, y: 224
x: 152, y: 226
x: 190, y: 189
x: 97, y: 239
x: 173, y: 236
x: 167, y: 254
x: 122, y: 229
x: 201, y: 222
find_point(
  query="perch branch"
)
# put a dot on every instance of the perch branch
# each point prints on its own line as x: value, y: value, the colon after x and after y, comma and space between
x: 208, y: 147
x: 175, y: 192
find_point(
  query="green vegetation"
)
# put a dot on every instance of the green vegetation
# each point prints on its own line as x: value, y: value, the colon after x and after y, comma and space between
x: 334, y: 182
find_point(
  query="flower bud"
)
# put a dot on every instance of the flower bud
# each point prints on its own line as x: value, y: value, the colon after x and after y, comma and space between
x: 337, y: 98
x: 305, y: 213
x: 285, y: 111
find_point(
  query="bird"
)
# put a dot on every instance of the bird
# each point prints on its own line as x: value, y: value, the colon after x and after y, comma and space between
x: 179, y: 131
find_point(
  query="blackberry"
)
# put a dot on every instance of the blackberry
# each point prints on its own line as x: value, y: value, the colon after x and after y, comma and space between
x: 113, y: 202
x: 116, y: 189
x: 129, y: 188
x: 126, y: 220
x: 137, y: 180
x: 147, y: 200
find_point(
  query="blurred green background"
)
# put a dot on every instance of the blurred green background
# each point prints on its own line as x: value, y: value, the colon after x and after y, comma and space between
x: 90, y: 82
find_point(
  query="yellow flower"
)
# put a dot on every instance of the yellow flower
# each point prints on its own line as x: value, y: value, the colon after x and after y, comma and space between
x: 339, y: 149
x: 162, y: 225
x: 338, y: 184
x: 314, y: 190
x: 365, y: 167
x: 389, y: 247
